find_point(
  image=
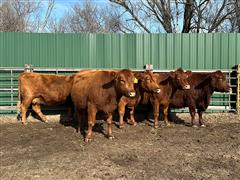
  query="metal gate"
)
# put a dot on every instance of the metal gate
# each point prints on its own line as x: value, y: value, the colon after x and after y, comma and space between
x: 220, y: 102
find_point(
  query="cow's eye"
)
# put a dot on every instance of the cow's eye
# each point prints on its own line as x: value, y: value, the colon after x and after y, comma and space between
x: 147, y: 78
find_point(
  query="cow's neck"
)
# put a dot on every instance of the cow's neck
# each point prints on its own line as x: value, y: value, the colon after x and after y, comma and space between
x: 207, y: 92
x: 145, y: 96
x: 112, y: 89
x: 172, y: 88
x: 118, y: 93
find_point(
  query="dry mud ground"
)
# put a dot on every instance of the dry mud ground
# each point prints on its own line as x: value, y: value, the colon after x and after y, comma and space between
x: 54, y: 151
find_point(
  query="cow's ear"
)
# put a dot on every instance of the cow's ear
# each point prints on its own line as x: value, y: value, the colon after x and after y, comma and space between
x: 172, y: 74
x: 189, y: 73
x: 218, y: 73
x: 114, y: 74
x: 138, y: 75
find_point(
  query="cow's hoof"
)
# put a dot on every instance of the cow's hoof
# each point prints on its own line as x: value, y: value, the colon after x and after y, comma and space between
x: 203, y: 125
x: 87, y: 140
x: 168, y: 125
x: 155, y: 126
x: 111, y: 137
x: 194, y: 126
x: 45, y: 120
x: 24, y: 123
x: 121, y: 126
x: 131, y: 122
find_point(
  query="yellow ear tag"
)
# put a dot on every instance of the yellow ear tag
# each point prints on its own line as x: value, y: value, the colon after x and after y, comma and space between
x: 135, y: 81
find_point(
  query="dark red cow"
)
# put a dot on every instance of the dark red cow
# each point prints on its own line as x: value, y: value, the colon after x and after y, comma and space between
x: 198, y: 97
x: 169, y: 83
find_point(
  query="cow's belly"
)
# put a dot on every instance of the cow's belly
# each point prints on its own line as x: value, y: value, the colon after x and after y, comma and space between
x: 50, y: 99
x: 107, y: 108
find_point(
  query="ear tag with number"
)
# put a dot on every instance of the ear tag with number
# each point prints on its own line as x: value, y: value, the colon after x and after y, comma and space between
x: 135, y: 80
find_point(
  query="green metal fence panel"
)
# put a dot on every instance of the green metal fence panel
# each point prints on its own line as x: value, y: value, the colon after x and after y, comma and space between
x: 84, y: 50
x: 164, y: 51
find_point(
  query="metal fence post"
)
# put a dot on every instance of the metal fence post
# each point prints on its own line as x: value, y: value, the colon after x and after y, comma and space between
x: 238, y: 90
x: 28, y: 68
x: 11, y: 89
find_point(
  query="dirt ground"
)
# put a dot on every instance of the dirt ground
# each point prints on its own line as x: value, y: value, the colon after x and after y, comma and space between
x: 54, y: 151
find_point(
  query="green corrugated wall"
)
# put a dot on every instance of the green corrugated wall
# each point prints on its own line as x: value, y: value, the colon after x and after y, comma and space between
x: 164, y: 51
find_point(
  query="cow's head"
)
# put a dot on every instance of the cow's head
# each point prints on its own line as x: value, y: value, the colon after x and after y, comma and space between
x: 218, y: 82
x: 124, y: 82
x: 148, y: 81
x: 180, y: 78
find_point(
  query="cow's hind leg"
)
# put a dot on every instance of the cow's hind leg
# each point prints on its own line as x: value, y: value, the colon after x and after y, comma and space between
x: 19, y: 111
x: 81, y: 117
x: 92, y: 111
x: 24, y: 107
x: 201, y: 122
x: 37, y: 110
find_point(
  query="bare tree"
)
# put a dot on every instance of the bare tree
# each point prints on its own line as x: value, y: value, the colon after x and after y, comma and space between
x: 18, y: 15
x: 85, y: 16
x: 196, y: 15
x: 234, y: 20
x: 237, y: 11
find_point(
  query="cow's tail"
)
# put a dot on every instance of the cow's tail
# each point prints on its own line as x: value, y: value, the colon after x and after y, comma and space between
x: 19, y: 103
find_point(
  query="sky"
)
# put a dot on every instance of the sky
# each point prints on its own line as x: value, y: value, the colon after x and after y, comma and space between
x: 62, y: 5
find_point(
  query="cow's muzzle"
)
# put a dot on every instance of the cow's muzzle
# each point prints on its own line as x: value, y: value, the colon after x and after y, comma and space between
x: 186, y: 87
x: 157, y: 91
x: 132, y: 94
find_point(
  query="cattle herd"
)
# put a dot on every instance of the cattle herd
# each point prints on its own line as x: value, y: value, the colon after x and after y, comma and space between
x: 91, y: 91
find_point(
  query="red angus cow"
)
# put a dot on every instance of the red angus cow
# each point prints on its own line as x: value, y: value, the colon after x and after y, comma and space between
x: 168, y: 83
x: 146, y: 84
x: 198, y: 97
x: 37, y: 89
x: 100, y: 91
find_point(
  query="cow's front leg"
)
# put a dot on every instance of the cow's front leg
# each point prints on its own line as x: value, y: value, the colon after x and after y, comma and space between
x: 92, y: 111
x: 165, y: 113
x: 192, y: 111
x: 109, y: 126
x: 132, y: 119
x: 155, y: 113
x: 121, y: 111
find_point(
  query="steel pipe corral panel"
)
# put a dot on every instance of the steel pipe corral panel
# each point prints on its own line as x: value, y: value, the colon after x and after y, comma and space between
x: 223, y: 99
x: 238, y: 90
